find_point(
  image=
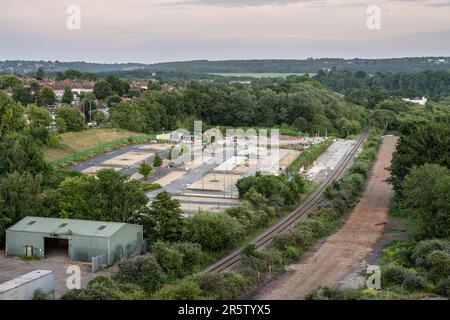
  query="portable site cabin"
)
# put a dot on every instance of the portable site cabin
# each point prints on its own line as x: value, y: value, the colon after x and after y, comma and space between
x: 78, y: 240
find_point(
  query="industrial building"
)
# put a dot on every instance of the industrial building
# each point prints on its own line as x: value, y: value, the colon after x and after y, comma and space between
x: 78, y: 240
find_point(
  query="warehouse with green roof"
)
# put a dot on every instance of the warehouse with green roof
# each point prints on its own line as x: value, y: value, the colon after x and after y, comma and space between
x: 79, y: 240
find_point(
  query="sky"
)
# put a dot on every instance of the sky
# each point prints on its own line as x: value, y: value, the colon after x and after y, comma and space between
x: 150, y: 31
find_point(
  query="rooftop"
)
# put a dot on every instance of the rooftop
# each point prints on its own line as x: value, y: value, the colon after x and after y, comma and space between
x: 67, y: 226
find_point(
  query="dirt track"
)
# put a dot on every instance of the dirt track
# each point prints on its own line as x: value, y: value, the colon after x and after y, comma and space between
x: 340, y: 252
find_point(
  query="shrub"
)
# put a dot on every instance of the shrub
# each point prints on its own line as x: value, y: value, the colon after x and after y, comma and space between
x: 170, y: 259
x: 396, y: 275
x: 143, y: 271
x: 290, y: 253
x: 398, y: 253
x: 299, y: 237
x: 186, y: 289
x: 193, y: 258
x: 443, y: 287
x: 237, y: 283
x: 328, y: 293
x: 40, y: 295
x: 423, y: 248
x: 360, y: 168
x: 148, y: 186
x: 213, y: 285
x: 438, y: 262
x: 106, y: 288
x: 213, y: 231
x: 315, y: 226
x: 392, y: 275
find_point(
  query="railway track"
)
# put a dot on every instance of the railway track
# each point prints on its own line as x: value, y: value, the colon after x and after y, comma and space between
x: 281, y: 226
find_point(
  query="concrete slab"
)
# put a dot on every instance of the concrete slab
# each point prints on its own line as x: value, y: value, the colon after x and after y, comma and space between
x: 129, y: 158
x: 94, y: 169
x: 216, y: 182
x: 169, y: 178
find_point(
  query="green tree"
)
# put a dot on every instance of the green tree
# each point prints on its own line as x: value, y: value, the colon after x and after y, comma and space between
x: 69, y: 119
x: 108, y: 196
x: 129, y: 116
x: 112, y: 100
x: 11, y: 116
x: 9, y: 81
x: 118, y: 86
x: 46, y: 97
x: 102, y: 89
x: 143, y: 271
x: 21, y: 195
x: 157, y: 161
x: 98, y: 116
x: 213, y: 231
x: 167, y: 217
x: 39, y: 121
x: 384, y: 119
x: 67, y: 97
x: 426, y: 193
x: 40, y: 74
x: 23, y: 94
x: 21, y: 153
x: 145, y: 169
x: 426, y: 143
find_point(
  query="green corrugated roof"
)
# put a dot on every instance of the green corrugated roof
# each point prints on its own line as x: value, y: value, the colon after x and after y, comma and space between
x: 63, y: 226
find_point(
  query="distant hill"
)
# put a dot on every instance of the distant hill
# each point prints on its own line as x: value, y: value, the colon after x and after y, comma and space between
x: 28, y: 67
x: 307, y: 66
x: 239, y: 66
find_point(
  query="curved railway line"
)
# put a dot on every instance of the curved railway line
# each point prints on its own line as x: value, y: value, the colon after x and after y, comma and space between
x: 287, y: 221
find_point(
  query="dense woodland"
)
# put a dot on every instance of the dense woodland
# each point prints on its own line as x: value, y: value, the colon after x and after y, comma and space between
x: 371, y: 66
x: 360, y: 87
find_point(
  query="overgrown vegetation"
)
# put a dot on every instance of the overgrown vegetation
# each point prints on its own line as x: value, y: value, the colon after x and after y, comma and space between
x: 308, y: 156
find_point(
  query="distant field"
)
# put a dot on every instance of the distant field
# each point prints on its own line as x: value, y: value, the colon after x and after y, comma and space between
x: 79, y: 141
x: 258, y: 75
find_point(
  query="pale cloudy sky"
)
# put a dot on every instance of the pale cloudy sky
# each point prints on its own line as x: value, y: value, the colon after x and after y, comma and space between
x: 167, y: 30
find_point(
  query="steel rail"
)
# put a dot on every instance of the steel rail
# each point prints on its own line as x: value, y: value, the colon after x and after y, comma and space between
x: 303, y: 209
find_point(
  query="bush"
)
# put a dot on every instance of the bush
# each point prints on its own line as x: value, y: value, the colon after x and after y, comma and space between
x: 40, y: 295
x: 273, y: 187
x: 170, y: 259
x: 179, y: 258
x: 290, y: 253
x: 327, y: 293
x: 396, y: 275
x: 213, y: 231
x: 392, y: 275
x: 213, y: 285
x: 148, y: 186
x: 143, y: 271
x: 360, y: 167
x: 186, y: 289
x: 106, y: 288
x: 443, y: 287
x: 249, y: 218
x: 193, y: 258
x: 398, y: 253
x: 299, y: 237
x: 438, y: 262
x: 423, y: 248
